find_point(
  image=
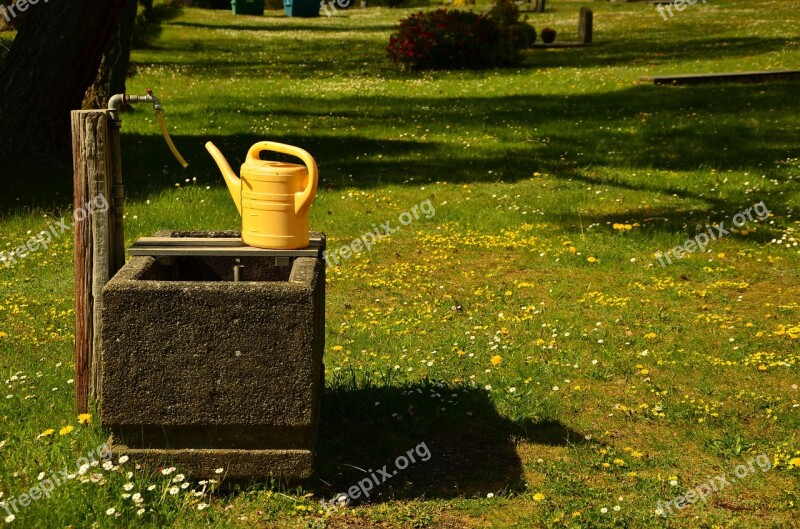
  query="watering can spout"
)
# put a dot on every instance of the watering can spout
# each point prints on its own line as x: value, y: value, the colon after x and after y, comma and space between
x: 233, y: 181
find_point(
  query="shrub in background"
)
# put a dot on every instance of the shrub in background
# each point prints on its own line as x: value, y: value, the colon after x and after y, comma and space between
x: 515, y: 34
x: 445, y: 39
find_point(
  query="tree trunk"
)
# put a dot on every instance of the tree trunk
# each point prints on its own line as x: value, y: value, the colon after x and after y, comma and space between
x: 113, y: 68
x: 53, y: 60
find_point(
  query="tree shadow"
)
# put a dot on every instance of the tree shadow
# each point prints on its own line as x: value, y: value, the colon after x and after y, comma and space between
x: 658, y: 49
x: 470, y: 447
x: 149, y: 29
x: 282, y: 27
x: 582, y: 138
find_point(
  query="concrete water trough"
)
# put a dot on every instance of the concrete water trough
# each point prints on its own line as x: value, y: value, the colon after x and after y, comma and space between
x: 212, y: 359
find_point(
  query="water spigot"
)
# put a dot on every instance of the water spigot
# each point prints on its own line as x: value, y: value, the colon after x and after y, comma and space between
x: 116, y: 102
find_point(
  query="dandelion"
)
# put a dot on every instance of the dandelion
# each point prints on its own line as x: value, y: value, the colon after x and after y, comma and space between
x: 538, y: 496
x: 66, y: 430
x: 496, y: 359
x: 592, y: 259
x: 85, y: 418
x: 46, y: 433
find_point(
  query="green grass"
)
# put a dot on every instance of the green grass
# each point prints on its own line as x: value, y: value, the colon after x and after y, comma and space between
x: 663, y: 374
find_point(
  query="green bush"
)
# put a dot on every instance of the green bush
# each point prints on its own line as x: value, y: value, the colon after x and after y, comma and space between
x: 515, y: 34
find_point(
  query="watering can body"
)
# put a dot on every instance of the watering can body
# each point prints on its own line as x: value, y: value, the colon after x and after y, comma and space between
x: 273, y: 198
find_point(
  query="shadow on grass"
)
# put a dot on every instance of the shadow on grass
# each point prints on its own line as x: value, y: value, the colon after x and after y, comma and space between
x: 149, y: 28
x: 284, y: 27
x: 583, y: 138
x: 472, y: 447
x: 659, y: 48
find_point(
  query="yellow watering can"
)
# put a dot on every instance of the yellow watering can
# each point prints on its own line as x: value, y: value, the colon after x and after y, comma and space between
x: 273, y: 198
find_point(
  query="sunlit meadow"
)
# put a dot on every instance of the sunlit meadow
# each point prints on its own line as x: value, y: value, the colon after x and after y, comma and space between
x: 527, y: 333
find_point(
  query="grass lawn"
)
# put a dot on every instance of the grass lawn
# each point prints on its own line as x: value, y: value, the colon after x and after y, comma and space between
x: 526, y: 332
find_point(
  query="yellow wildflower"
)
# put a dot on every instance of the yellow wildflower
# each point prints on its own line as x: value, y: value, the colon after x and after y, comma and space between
x: 46, y: 433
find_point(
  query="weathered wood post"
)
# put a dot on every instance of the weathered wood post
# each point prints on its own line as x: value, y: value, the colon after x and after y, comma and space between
x: 97, y: 177
x: 539, y: 6
x: 585, y: 26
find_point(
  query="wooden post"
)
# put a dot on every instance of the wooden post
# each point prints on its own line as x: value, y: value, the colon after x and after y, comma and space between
x: 96, y: 160
x: 539, y: 7
x: 585, y: 26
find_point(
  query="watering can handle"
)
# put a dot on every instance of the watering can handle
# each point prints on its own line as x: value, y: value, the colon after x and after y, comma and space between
x: 303, y: 198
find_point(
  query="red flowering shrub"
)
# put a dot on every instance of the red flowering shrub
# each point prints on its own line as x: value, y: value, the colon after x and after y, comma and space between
x: 461, y: 39
x: 444, y: 39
